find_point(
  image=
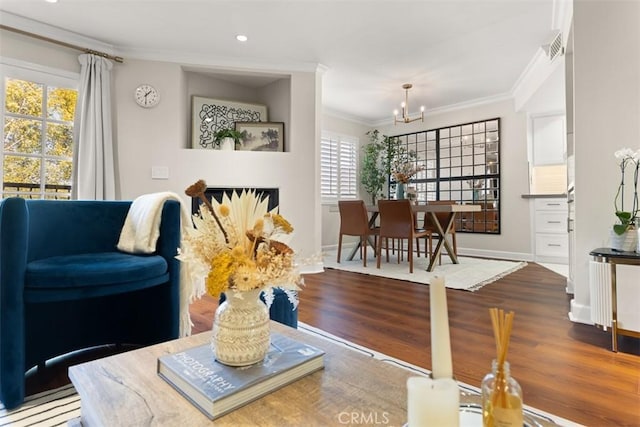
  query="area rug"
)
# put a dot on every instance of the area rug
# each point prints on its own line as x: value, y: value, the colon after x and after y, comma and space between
x: 470, y: 274
x: 57, y: 407
x: 49, y: 408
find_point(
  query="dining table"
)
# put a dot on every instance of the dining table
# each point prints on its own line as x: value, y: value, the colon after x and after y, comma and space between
x: 442, y: 229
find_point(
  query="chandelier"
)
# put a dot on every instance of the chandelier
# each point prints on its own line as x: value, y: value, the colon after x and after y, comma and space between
x: 405, y: 108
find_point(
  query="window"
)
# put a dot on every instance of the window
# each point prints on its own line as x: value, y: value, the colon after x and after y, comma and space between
x: 339, y: 167
x: 37, y: 133
x: 460, y: 163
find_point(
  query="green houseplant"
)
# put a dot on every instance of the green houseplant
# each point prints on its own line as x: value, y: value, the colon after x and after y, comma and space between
x: 220, y: 135
x: 627, y: 219
x: 373, y: 172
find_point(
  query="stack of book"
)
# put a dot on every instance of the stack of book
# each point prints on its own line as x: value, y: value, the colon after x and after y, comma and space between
x: 217, y: 389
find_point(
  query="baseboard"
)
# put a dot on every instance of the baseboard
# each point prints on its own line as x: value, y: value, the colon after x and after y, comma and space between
x: 580, y: 313
x: 552, y: 259
x: 481, y: 253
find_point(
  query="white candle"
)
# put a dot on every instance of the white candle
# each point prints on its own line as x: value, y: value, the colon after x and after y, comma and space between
x: 441, y: 365
x: 432, y: 402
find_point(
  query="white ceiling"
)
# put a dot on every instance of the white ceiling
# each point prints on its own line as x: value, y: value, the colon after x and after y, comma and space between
x: 453, y: 52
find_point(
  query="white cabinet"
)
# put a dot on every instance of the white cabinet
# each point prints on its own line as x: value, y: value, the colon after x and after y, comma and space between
x: 550, y: 230
x: 548, y: 140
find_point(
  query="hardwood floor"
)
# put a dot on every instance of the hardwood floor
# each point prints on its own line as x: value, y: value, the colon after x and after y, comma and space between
x: 564, y: 368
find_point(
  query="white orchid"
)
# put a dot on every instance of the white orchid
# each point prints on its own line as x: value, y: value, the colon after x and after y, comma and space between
x: 627, y: 157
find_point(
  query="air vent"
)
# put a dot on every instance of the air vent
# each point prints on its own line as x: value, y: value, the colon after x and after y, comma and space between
x: 555, y: 47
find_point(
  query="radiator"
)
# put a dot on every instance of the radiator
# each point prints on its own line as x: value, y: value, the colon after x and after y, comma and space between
x: 600, y: 289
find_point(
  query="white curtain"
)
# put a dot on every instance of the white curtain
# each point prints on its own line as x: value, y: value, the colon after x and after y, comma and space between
x: 93, y: 168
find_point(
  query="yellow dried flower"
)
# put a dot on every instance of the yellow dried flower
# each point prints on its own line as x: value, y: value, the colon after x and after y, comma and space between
x: 246, y: 278
x: 224, y: 210
x: 281, y: 223
x: 217, y: 280
x: 258, y: 227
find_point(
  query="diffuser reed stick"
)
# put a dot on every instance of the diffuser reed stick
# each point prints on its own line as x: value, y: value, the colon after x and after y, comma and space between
x: 502, y: 396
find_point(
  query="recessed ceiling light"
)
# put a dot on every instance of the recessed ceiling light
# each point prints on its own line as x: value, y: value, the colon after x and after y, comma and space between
x: 242, y: 38
x: 51, y: 1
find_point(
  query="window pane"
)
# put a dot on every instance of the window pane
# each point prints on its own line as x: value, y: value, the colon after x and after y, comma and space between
x: 58, y: 179
x: 22, y: 170
x: 59, y: 140
x: 23, y: 98
x: 61, y: 104
x: 22, y: 136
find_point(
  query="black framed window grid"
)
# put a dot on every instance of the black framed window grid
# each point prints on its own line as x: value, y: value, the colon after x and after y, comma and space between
x: 461, y: 163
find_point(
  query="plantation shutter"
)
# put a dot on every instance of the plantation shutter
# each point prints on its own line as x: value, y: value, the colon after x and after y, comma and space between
x: 338, y: 164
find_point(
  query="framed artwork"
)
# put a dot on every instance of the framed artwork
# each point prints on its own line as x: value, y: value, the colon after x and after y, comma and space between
x: 211, y: 115
x: 261, y: 136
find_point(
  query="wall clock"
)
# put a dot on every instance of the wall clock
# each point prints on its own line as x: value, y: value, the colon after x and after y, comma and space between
x: 147, y: 96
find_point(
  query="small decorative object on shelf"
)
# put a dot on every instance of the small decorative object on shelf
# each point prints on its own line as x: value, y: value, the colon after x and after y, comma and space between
x: 624, y: 236
x: 238, y: 247
x: 501, y: 393
x: 227, y: 139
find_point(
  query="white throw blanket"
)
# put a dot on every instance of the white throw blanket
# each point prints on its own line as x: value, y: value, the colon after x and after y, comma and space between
x: 140, y: 234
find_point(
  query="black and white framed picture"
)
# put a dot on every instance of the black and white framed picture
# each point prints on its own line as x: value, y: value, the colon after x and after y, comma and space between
x: 211, y: 115
x: 261, y: 136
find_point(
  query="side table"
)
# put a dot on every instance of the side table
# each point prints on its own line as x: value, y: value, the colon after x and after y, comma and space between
x: 612, y: 257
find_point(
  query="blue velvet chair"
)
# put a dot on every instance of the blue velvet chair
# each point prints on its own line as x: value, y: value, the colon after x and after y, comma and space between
x: 64, y: 286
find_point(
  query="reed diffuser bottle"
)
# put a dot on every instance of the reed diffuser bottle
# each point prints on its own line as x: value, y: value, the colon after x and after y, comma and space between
x: 501, y: 398
x: 501, y: 393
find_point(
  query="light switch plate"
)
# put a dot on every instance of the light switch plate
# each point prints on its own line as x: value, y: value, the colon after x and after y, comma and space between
x: 159, y: 172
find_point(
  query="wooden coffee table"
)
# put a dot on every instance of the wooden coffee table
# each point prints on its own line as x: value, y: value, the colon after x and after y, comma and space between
x: 125, y: 390
x: 352, y: 389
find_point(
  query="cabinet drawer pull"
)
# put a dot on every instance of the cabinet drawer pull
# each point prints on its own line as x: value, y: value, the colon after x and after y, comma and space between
x: 553, y: 204
x: 554, y: 222
x: 554, y: 244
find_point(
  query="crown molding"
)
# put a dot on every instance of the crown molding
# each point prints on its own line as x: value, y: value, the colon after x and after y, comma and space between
x: 49, y: 31
x: 201, y: 59
x: 534, y: 75
x: 343, y: 115
x: 478, y: 102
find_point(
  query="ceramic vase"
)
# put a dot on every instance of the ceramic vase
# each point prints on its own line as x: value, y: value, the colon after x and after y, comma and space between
x: 625, y: 242
x: 227, y: 144
x: 241, y: 333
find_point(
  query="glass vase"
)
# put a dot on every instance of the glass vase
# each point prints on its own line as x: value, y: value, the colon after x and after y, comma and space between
x: 241, y: 333
x: 399, y: 191
x: 501, y: 398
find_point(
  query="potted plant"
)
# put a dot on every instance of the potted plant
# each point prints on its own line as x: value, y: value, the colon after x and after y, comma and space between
x: 624, y: 236
x: 227, y: 139
x: 373, y: 172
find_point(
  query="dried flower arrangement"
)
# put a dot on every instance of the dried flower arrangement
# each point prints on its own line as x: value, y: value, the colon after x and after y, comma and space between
x: 238, y: 244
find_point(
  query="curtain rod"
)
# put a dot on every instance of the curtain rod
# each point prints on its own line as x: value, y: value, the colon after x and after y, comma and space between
x: 58, y: 42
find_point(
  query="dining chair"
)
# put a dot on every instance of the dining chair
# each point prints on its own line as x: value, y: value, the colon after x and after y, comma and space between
x: 432, y: 229
x: 397, y: 222
x: 354, y: 221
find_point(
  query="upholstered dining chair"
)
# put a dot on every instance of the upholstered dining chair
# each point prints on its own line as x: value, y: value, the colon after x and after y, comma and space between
x: 432, y: 229
x: 397, y: 222
x: 354, y: 221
